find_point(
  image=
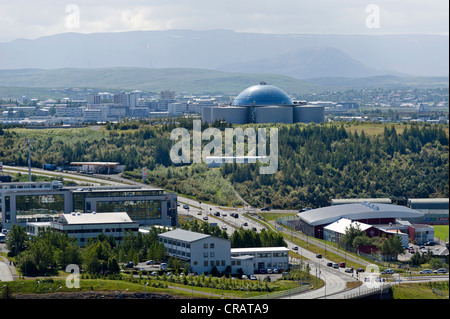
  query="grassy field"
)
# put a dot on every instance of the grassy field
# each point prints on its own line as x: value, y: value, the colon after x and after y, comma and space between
x: 429, y: 290
x: 441, y: 232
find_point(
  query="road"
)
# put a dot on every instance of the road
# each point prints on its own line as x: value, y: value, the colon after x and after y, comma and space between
x: 335, y: 279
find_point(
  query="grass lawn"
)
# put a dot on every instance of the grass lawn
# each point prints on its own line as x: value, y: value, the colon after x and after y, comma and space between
x: 429, y: 290
x: 441, y: 232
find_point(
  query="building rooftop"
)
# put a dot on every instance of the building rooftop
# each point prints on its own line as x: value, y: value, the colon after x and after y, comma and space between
x: 94, y: 218
x: 364, y: 210
x: 184, y: 235
x: 342, y: 224
x: 262, y: 95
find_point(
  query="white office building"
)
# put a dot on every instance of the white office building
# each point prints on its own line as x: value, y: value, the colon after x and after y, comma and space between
x: 85, y: 226
x: 203, y: 252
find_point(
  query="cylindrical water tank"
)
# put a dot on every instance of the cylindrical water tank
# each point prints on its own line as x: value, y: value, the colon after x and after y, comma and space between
x: 231, y: 114
x: 309, y: 113
x: 273, y: 114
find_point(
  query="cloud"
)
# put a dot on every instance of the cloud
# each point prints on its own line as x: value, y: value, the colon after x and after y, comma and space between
x: 31, y: 19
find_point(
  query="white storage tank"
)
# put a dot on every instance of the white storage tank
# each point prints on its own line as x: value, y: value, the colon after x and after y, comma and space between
x: 231, y: 114
x: 309, y: 113
x: 273, y: 114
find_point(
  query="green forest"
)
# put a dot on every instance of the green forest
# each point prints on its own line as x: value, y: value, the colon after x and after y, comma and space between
x: 317, y: 162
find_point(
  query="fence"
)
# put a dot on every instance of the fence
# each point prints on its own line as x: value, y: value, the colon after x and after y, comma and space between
x: 284, y: 293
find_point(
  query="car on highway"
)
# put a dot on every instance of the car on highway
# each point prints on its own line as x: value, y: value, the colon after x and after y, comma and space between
x: 295, y: 248
x: 205, y: 218
x: 387, y: 272
x: 359, y: 270
x: 267, y: 208
x: 186, y: 206
x: 245, y: 224
x: 319, y: 256
x: 426, y: 271
x: 342, y: 264
x: 217, y: 214
x: 330, y: 264
x: 440, y: 271
x: 336, y: 266
x: 349, y: 270
x: 224, y: 227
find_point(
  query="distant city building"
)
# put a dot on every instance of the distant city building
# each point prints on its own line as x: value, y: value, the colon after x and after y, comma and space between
x: 264, y: 104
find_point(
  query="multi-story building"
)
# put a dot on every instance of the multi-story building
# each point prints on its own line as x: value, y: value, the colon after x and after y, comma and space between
x: 204, y: 252
x: 143, y: 205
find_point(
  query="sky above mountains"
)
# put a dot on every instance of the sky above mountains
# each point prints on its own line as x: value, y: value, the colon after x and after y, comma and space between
x: 33, y: 19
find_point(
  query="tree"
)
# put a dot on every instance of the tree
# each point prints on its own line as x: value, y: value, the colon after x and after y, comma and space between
x: 16, y: 240
x: 351, y: 233
x: 392, y: 246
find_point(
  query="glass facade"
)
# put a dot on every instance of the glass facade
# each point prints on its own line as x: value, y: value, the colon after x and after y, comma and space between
x: 39, y: 207
x: 136, y: 209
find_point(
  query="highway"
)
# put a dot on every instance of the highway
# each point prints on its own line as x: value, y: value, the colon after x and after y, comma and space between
x: 335, y: 279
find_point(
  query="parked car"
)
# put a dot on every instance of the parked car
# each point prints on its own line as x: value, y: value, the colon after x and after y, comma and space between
x: 129, y: 264
x: 342, y: 264
x: 349, y: 270
x: 426, y: 271
x: 336, y: 266
x: 253, y: 277
x: 149, y: 262
x: 430, y: 243
x: 330, y: 264
x: 440, y: 271
x: 205, y: 218
x: 224, y: 227
x: 359, y: 270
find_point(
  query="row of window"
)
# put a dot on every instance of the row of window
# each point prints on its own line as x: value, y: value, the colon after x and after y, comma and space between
x: 263, y: 255
x: 99, y: 230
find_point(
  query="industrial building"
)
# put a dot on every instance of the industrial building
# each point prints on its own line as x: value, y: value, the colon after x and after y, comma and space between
x: 143, y: 205
x: 313, y: 221
x: 435, y: 210
x: 264, y: 103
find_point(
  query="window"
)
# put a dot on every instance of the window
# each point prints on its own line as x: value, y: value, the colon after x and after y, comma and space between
x: 211, y: 245
x: 211, y: 254
x: 205, y: 246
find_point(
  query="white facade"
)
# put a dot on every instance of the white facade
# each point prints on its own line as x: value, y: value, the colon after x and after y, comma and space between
x: 264, y: 257
x: 84, y: 226
x: 202, y: 251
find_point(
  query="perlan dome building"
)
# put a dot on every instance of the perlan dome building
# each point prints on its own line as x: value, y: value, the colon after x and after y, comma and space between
x: 264, y: 103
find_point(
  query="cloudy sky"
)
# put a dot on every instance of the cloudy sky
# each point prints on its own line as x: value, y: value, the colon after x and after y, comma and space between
x: 35, y: 18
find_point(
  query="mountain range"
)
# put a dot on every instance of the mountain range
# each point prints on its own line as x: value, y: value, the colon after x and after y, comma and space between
x: 301, y: 56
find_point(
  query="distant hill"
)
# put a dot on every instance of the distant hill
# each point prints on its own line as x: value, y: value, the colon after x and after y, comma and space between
x: 308, y: 63
x: 154, y: 80
x: 14, y: 83
x: 418, y: 55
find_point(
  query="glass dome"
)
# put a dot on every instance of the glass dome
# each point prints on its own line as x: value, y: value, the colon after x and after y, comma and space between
x: 262, y: 95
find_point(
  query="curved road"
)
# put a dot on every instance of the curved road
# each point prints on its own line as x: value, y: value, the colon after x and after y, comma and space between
x: 335, y: 279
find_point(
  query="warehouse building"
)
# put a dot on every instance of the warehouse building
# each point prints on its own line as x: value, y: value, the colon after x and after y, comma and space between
x: 264, y: 103
x: 313, y: 221
x: 436, y: 210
